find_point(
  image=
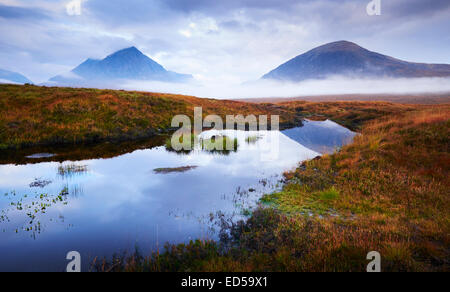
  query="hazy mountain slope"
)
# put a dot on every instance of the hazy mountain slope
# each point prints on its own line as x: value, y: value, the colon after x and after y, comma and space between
x: 348, y: 59
x: 128, y: 64
x: 13, y: 77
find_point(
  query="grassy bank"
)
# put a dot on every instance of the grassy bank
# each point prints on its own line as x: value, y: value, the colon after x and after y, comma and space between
x: 33, y: 115
x: 351, y: 114
x: 386, y: 192
x: 48, y: 116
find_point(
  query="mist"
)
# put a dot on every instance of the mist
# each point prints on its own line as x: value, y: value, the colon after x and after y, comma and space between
x: 274, y: 89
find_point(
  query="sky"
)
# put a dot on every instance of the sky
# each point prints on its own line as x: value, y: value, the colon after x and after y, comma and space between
x: 219, y: 42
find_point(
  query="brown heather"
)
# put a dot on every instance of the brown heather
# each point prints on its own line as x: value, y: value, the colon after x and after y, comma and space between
x: 33, y: 115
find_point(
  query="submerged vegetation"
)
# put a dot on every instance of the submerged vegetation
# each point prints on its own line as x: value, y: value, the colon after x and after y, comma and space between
x: 40, y: 183
x: 33, y: 211
x: 174, y: 169
x: 385, y: 192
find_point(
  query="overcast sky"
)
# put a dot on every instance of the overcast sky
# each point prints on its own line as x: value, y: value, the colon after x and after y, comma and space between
x: 226, y: 41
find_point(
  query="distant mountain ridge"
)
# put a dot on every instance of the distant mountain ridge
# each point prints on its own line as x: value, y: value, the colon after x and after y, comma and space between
x: 348, y: 59
x: 9, y: 76
x: 128, y: 63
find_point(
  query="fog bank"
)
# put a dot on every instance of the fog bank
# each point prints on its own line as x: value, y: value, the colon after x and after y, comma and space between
x: 266, y: 88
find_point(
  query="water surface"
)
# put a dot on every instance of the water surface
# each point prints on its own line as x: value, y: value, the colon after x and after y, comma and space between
x: 321, y: 136
x: 99, y: 207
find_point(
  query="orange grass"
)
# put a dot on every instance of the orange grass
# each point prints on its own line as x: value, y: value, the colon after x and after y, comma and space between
x: 33, y: 115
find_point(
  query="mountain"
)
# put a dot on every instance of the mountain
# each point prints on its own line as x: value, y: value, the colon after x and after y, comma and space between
x: 13, y: 77
x: 348, y: 59
x: 128, y: 64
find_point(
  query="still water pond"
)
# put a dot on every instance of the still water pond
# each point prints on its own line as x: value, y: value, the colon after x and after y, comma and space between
x: 101, y: 207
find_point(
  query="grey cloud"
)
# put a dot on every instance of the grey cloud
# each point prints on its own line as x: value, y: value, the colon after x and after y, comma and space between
x: 12, y: 12
x: 223, y: 6
x: 235, y: 25
x: 115, y: 13
x: 418, y: 8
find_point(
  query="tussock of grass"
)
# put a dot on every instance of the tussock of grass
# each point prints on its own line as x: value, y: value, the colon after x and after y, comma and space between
x: 253, y: 139
x: 186, y: 145
x: 329, y: 195
x: 220, y: 144
x: 217, y: 144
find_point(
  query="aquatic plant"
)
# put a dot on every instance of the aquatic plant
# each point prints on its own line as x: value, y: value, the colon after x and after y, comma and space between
x: 34, y: 208
x: 70, y: 170
x: 253, y: 139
